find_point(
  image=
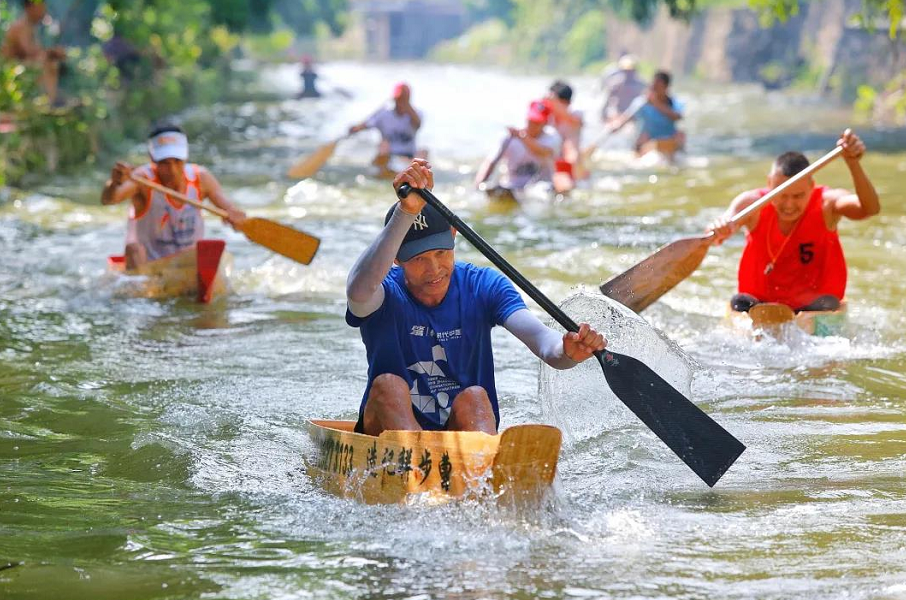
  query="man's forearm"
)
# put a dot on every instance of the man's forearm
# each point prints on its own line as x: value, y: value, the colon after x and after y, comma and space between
x: 544, y: 342
x: 109, y: 195
x: 865, y: 191
x: 364, y: 293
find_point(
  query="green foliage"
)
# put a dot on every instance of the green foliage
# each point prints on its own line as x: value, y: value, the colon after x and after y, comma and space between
x: 486, y: 42
x: 888, y: 13
x: 177, y: 54
x: 865, y: 102
x: 480, y: 10
x: 270, y: 46
x: 585, y: 44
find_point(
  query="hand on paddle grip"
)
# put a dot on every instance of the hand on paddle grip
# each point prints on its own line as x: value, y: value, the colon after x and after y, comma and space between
x: 721, y: 229
x: 235, y: 218
x: 853, y: 146
x: 417, y: 175
x: 583, y: 345
x: 121, y: 172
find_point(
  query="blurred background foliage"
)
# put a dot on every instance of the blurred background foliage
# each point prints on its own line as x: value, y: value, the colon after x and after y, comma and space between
x: 131, y: 62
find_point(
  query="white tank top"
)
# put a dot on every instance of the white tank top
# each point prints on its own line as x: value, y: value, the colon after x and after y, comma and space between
x: 166, y: 226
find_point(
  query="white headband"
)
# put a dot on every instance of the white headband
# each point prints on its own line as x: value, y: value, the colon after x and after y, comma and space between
x: 168, y: 144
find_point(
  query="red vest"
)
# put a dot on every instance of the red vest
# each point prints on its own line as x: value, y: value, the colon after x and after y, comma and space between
x: 811, y: 264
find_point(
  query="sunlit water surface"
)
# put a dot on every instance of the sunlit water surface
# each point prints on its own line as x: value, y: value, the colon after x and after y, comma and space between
x: 154, y: 449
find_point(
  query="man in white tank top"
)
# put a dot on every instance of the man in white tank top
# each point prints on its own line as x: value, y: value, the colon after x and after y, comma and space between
x: 158, y: 225
x: 527, y: 154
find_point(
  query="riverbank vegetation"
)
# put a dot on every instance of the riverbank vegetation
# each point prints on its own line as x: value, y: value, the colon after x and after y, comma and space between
x: 131, y: 62
x: 571, y: 36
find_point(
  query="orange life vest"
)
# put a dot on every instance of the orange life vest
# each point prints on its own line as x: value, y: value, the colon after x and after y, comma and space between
x: 807, y: 265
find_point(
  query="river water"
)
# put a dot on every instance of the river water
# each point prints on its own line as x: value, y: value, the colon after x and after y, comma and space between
x: 154, y: 449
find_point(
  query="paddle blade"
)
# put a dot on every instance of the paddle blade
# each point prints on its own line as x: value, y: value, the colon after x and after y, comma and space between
x: 312, y: 163
x: 588, y: 152
x: 770, y: 315
x: 208, y: 254
x: 289, y: 242
x: 699, y: 441
x: 653, y: 277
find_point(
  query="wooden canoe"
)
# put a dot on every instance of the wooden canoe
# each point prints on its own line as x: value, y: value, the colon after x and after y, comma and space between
x: 502, y: 196
x: 516, y: 467
x: 200, y: 272
x: 387, y: 167
x: 658, y: 152
x: 773, y: 318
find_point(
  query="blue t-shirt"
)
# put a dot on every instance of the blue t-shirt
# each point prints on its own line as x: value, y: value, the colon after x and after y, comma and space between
x: 439, y: 351
x: 653, y: 122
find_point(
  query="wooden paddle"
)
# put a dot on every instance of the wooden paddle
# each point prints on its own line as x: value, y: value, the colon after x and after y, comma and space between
x: 493, y: 163
x: 701, y: 443
x: 589, y: 150
x: 312, y: 163
x: 282, y: 239
x: 645, y: 282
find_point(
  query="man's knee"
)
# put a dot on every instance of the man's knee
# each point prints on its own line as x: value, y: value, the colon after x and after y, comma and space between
x: 472, y: 411
x: 743, y: 302
x: 388, y: 406
x: 826, y: 302
x: 388, y: 390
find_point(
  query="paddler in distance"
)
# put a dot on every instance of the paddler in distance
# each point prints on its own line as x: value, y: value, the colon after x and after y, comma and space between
x: 426, y: 323
x: 793, y: 254
x: 528, y: 154
x: 398, y: 126
x: 158, y: 225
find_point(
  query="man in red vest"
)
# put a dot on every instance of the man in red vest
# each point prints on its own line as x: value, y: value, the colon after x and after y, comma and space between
x: 792, y: 254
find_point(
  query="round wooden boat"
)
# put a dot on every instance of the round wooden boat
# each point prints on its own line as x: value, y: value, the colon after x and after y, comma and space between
x: 655, y: 153
x: 502, y: 196
x: 387, y: 167
x: 517, y: 466
x: 201, y: 272
x: 774, y: 318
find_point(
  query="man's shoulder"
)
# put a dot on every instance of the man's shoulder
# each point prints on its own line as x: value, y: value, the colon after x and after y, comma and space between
x: 14, y: 34
x: 477, y: 277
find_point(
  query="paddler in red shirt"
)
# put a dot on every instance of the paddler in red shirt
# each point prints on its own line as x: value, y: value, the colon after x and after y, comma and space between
x: 792, y: 254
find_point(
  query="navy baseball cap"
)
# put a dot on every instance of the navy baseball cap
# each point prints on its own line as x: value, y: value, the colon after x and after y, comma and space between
x: 430, y: 231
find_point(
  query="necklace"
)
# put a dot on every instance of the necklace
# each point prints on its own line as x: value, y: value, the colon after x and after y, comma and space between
x: 770, y: 266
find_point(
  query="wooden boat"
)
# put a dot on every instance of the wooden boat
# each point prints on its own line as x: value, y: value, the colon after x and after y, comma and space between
x: 387, y: 167
x: 501, y: 195
x: 658, y: 153
x: 773, y: 318
x: 201, y: 272
x: 516, y: 466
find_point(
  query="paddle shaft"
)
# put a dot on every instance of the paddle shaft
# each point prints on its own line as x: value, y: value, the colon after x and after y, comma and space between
x: 179, y: 196
x: 496, y: 160
x: 609, y: 131
x: 812, y: 168
x: 476, y: 240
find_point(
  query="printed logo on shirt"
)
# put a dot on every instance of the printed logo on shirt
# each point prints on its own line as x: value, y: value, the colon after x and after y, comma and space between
x: 445, y: 336
x: 435, y: 401
x: 418, y: 330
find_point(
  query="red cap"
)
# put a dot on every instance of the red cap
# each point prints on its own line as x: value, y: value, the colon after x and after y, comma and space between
x: 398, y: 89
x: 538, y: 112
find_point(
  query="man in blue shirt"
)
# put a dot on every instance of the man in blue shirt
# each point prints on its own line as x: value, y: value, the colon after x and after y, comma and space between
x: 426, y: 323
x: 657, y: 114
